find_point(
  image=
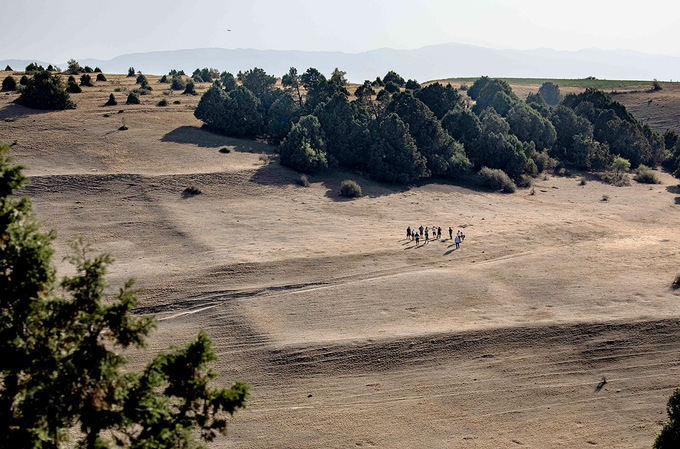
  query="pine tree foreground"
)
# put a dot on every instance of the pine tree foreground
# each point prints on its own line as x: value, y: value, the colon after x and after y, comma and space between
x: 62, y: 375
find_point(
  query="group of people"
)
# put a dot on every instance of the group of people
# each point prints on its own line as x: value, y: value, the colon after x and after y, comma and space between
x: 434, y: 231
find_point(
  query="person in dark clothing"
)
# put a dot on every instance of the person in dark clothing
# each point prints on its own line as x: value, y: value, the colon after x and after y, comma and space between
x: 439, y: 232
x: 450, y: 233
x: 408, y: 233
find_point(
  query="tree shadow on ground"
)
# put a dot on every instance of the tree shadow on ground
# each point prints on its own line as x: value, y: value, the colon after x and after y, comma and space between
x: 205, y: 138
x: 273, y: 174
x: 369, y: 188
x: 13, y: 111
x: 673, y: 189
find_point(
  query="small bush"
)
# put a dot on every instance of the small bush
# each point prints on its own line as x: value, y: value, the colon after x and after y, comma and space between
x: 350, y: 189
x: 263, y: 158
x: 177, y: 83
x: 120, y: 111
x: 497, y: 180
x: 87, y: 69
x: 73, y: 87
x: 141, y: 79
x: 112, y: 101
x: 23, y: 80
x: 164, y: 79
x: 101, y: 77
x: 145, y: 86
x: 190, y: 89
x: 192, y: 190
x: 8, y: 68
x: 618, y: 179
x: 605, y: 198
x: 645, y: 175
x: 656, y: 86
x: 676, y: 283
x: 583, y: 182
x: 176, y: 102
x: 464, y: 87
x: 131, y: 72
x: 163, y: 102
x: 524, y: 181
x: 392, y: 87
x: 107, y: 115
x: 225, y: 150
x: 97, y: 70
x: 133, y: 98
x: 9, y: 83
x: 118, y: 89
x: 303, y: 180
x: 86, y: 80
x: 544, y: 163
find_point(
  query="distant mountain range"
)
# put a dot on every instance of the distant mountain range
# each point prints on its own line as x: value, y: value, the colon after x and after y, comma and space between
x: 423, y: 64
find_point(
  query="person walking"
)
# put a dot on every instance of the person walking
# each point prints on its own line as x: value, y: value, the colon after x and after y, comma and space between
x: 427, y: 235
x: 439, y: 232
x: 417, y: 239
x: 457, y: 241
x: 450, y: 233
x: 421, y: 229
x: 462, y: 236
x: 408, y: 233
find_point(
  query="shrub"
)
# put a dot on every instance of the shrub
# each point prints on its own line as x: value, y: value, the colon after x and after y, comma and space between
x: 97, y: 70
x: 263, y: 158
x: 23, y: 80
x: 133, y: 98
x: 676, y: 282
x: 145, y: 86
x: 131, y: 72
x: 9, y: 83
x: 497, y: 180
x: 86, y: 80
x: 112, y: 101
x: 164, y: 79
x: 45, y: 91
x: 304, y: 148
x: 303, y: 180
x: 72, y: 86
x: 464, y: 87
x: 141, y: 79
x: 583, y: 182
x: 656, y: 86
x: 176, y: 102
x: 192, y: 190
x: 605, y: 198
x: 177, y: 83
x: 190, y: 89
x: 163, y: 102
x: 225, y: 150
x: 8, y: 68
x: 87, y: 69
x: 614, y: 178
x: 544, y: 162
x: 101, y: 77
x: 412, y: 85
x: 524, y: 181
x: 392, y: 87
x: 73, y: 67
x: 645, y: 175
x: 350, y: 189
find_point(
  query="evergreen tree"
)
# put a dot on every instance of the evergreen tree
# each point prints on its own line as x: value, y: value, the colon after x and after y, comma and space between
x: 45, y: 91
x: 304, y: 149
x: 63, y: 375
x: 393, y: 155
x: 440, y: 99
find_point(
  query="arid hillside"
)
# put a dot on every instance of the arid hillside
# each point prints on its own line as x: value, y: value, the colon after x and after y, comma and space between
x: 553, y: 325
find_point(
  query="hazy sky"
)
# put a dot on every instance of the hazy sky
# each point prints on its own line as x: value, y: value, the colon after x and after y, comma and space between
x: 54, y: 31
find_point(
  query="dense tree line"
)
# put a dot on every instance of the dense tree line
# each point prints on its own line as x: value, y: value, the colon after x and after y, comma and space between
x: 399, y: 131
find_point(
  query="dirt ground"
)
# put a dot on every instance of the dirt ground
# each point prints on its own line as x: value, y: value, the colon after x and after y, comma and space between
x: 553, y: 325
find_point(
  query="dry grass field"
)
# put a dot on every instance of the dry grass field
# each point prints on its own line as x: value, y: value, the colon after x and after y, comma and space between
x: 349, y: 335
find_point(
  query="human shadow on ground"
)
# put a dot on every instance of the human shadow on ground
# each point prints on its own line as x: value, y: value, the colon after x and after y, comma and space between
x: 205, y: 138
x: 13, y: 111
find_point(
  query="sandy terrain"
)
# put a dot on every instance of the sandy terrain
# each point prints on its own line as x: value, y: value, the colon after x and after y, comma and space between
x: 349, y: 335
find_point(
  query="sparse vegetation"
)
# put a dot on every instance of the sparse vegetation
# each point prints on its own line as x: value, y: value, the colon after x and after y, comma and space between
x: 177, y: 83
x: 72, y: 86
x: 131, y: 72
x: 656, y: 86
x: 101, y: 77
x: 73, y: 68
x: 8, y: 68
x: 263, y: 158
x: 164, y: 79
x: 190, y: 89
x: 350, y: 189
x: 163, y: 102
x: 23, y: 80
x: 225, y: 150
x: 141, y: 79
x: 176, y: 102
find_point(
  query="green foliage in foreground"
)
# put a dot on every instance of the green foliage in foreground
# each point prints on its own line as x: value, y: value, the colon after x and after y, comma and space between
x: 669, y: 437
x: 64, y: 377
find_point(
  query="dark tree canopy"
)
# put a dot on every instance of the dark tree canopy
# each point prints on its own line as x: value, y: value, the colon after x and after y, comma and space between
x: 304, y: 149
x: 235, y: 113
x: 257, y: 81
x: 440, y: 99
x: 45, y: 91
x: 393, y: 156
x: 393, y: 77
x: 550, y: 92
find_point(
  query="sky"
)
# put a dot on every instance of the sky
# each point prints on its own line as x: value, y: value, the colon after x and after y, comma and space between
x: 55, y: 31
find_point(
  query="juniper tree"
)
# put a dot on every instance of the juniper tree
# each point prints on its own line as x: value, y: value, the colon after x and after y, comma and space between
x: 61, y: 364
